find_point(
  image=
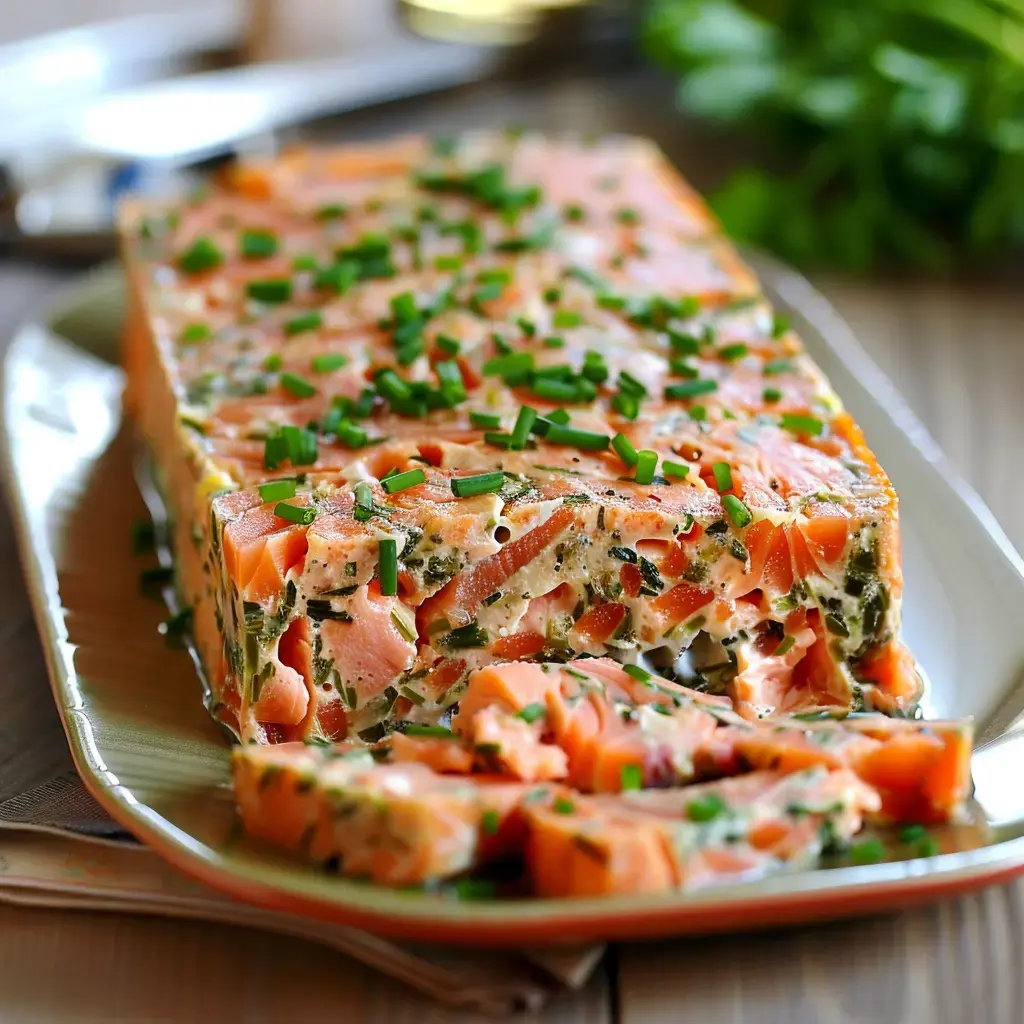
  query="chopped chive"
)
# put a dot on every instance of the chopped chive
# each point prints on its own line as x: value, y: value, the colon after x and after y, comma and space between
x: 555, y: 390
x: 528, y: 327
x: 563, y: 806
x: 684, y: 344
x: 723, y: 476
x: 363, y: 509
x: 257, y: 245
x: 523, y: 425
x: 588, y: 440
x: 437, y: 732
x: 470, y: 635
x: 328, y: 361
x: 485, y: 420
x: 594, y: 367
x: 296, y: 385
x: 202, y: 254
x: 304, y: 261
x: 780, y: 324
x: 771, y: 395
x: 627, y: 215
x: 912, y: 833
x: 338, y: 277
x: 646, y: 464
x: 275, y: 451
x: 641, y: 675
x: 628, y: 383
x: 785, y: 645
x: 926, y: 846
x: 552, y: 295
x: 532, y: 712
x: 470, y: 889
x: 691, y: 388
x: 559, y: 416
x: 273, y: 363
x: 271, y: 290
x: 276, y: 490
x: 626, y: 405
x: 737, y: 511
x: 191, y: 334
x: 731, y: 353
x: 331, y: 211
x: 490, y: 822
x: 625, y: 450
x: 511, y: 363
x: 295, y: 513
x: 574, y: 213
x: 387, y: 554
x: 698, y: 413
x: 775, y: 366
x: 676, y: 469
x: 681, y: 368
x: 631, y: 777
x: 481, y: 483
x: 706, y: 808
x: 869, y: 851
x: 308, y: 321
x: 447, y: 344
x: 403, y: 481
x: 494, y: 275
x: 798, y: 424
x: 566, y: 318
x: 553, y: 341
x: 392, y: 387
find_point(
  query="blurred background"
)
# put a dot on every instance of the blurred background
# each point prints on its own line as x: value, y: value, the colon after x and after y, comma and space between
x: 864, y: 135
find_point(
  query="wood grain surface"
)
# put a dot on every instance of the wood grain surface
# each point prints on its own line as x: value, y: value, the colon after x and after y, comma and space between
x: 956, y: 352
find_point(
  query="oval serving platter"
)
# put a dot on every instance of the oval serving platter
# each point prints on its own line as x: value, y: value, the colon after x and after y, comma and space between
x: 134, y: 717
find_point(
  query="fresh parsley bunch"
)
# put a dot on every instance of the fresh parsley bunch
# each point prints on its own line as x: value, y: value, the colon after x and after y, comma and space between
x: 899, y: 123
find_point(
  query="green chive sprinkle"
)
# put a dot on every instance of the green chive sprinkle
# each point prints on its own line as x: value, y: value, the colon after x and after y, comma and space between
x: 684, y: 344
x: 627, y: 215
x: 555, y: 390
x: 798, y: 424
x: 775, y: 366
x: 566, y: 318
x: 626, y: 405
x: 641, y: 675
x: 574, y: 213
x: 628, y: 383
x: 723, y: 476
x: 202, y: 255
x: 912, y: 833
x: 554, y: 342
x: 677, y: 469
x: 771, y: 395
x: 363, y: 509
x: 271, y: 290
x: 309, y: 321
x: 273, y: 363
x: 559, y: 416
x: 698, y: 413
x: 485, y: 420
x: 490, y: 822
x: 588, y: 440
x: 631, y: 777
x: 646, y: 464
x: 532, y: 712
x: 403, y: 481
x: 338, y: 277
x: 625, y: 450
x: 691, y: 388
x: 277, y: 490
x: 926, y: 846
x: 295, y: 513
x: 330, y: 211
x: 447, y: 344
x: 450, y: 263
x: 392, y: 387
x: 737, y: 511
x: 780, y: 324
x: 387, y: 554
x: 706, y: 808
x: 563, y: 806
x: 733, y: 352
x: 523, y: 425
x: 500, y: 366
x: 191, y: 334
x: 304, y: 261
x: 257, y: 245
x: 482, y: 483
x: 870, y: 851
x: 328, y: 361
x: 296, y: 385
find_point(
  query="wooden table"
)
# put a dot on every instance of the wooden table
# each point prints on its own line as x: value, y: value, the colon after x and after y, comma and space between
x: 956, y: 353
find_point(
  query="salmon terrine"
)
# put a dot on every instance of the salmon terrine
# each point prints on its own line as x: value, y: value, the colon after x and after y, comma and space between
x: 505, y: 506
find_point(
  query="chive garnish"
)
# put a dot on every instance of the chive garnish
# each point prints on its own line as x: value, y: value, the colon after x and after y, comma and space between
x: 775, y: 366
x: 626, y: 405
x: 625, y: 450
x: 453, y: 390
x: 447, y: 344
x: 646, y: 464
x: 271, y: 290
x: 309, y: 321
x: 706, y: 808
x: 588, y: 440
x: 328, y: 361
x: 202, y: 254
x: 191, y: 334
x: 677, y: 469
x: 628, y: 383
x: 296, y: 385
x: 273, y: 363
x: 771, y: 395
x: 387, y: 554
x: 338, y: 277
x: 698, y: 413
x: 485, y: 420
x: 532, y: 713
x: 737, y: 511
x: 564, y: 318
x: 627, y: 215
x: 330, y: 211
x: 869, y: 851
x: 392, y: 387
x: 303, y: 515
x: 723, y: 476
x: 257, y: 245
x: 490, y: 822
x: 363, y: 508
x: 304, y: 261
x: 523, y: 425
x: 691, y: 388
x: 470, y: 635
x: 631, y: 777
x: 481, y: 483
x: 799, y: 424
x: 558, y: 416
x: 553, y: 341
x: 514, y: 362
x: 563, y: 806
x: 276, y: 490
x: 403, y: 481
x: 780, y: 324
